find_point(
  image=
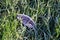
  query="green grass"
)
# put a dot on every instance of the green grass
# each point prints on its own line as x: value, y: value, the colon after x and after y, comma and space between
x: 12, y: 29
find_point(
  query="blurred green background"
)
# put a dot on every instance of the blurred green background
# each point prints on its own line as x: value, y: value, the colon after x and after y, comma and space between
x: 45, y: 13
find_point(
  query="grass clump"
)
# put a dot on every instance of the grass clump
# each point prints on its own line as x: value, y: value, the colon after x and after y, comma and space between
x: 45, y: 13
